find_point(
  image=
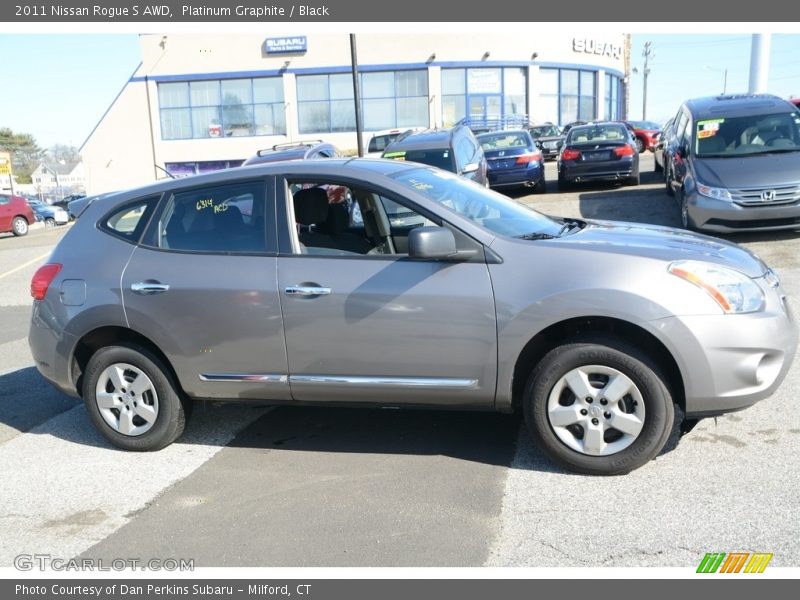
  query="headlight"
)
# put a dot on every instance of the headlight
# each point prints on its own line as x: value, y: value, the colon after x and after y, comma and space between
x: 712, y: 192
x: 735, y: 292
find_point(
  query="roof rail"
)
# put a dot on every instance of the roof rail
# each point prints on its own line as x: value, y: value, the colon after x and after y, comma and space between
x: 495, y: 123
x: 290, y: 145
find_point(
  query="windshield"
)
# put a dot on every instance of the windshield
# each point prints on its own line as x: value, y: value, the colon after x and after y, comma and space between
x: 545, y: 130
x: 489, y: 209
x: 441, y: 158
x: 752, y: 134
x: 645, y: 125
x: 502, y: 141
x: 591, y: 134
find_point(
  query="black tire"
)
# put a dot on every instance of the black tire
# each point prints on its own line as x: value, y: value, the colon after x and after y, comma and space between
x: 171, y: 410
x: 668, y: 183
x: 640, y: 145
x: 540, y: 187
x: 683, y: 207
x: 50, y: 222
x: 19, y: 226
x: 633, y: 181
x: 563, y: 184
x: 600, y: 352
x: 656, y: 166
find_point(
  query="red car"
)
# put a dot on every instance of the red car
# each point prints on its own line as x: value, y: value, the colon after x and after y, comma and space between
x: 646, y: 133
x: 15, y: 214
x: 795, y: 101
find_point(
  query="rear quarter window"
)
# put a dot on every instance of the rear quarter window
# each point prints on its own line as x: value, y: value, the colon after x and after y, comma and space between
x: 129, y: 221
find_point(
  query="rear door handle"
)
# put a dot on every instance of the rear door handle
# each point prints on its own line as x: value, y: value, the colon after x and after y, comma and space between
x: 307, y: 290
x: 148, y: 288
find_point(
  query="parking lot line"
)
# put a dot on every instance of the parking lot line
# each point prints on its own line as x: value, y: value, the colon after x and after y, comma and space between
x: 23, y: 265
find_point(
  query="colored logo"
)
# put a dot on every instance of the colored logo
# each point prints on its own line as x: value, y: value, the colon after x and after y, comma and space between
x: 734, y: 562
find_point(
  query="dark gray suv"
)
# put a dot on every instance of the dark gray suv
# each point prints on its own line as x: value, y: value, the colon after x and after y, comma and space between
x: 260, y: 284
x: 456, y: 150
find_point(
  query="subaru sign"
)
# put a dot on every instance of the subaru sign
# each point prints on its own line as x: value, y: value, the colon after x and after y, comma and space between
x: 286, y: 45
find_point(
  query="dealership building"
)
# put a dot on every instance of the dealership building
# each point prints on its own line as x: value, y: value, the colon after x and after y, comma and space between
x: 200, y: 102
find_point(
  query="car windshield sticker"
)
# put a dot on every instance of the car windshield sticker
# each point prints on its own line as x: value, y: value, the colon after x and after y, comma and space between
x: 421, y: 186
x: 708, y: 128
x: 209, y: 203
x: 706, y: 133
x: 395, y: 155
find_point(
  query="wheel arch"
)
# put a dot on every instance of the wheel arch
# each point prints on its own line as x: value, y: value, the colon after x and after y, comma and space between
x: 558, y: 333
x: 110, y: 335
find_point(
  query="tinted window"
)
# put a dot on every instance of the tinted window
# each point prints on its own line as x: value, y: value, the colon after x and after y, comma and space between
x: 229, y: 218
x: 441, y: 158
x: 4, y: 199
x: 751, y: 134
x: 129, y: 221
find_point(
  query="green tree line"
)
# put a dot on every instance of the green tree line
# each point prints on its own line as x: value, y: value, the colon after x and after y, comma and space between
x: 26, y: 153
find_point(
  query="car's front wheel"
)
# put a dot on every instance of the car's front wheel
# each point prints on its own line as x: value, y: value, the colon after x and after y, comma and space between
x: 49, y: 222
x: 132, y: 399
x: 19, y: 226
x: 598, y: 406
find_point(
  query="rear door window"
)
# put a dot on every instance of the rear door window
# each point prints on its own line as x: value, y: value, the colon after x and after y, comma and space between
x: 226, y: 219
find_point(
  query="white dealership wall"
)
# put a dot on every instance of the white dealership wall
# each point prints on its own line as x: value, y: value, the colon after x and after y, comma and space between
x: 126, y: 144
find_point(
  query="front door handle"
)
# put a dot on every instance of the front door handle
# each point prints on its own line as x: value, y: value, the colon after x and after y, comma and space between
x: 148, y: 288
x: 308, y: 291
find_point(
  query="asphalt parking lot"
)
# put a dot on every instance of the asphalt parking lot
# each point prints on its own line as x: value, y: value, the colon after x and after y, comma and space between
x: 349, y: 487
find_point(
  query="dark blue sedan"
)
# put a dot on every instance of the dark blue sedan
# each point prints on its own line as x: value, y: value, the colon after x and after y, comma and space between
x: 598, y: 152
x: 514, y: 159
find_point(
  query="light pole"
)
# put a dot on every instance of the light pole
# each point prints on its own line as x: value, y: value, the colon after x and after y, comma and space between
x: 55, y: 174
x: 648, y: 55
x: 724, y: 77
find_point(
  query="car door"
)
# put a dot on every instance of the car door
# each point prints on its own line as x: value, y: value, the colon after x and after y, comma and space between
x: 5, y: 213
x: 202, y: 287
x: 383, y: 328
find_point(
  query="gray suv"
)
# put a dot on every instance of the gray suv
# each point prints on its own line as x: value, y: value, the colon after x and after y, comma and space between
x: 258, y: 284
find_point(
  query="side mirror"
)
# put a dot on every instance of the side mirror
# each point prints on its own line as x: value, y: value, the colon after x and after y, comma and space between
x: 470, y: 168
x: 431, y: 242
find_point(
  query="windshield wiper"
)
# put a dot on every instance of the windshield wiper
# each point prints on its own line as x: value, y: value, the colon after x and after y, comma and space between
x: 536, y: 235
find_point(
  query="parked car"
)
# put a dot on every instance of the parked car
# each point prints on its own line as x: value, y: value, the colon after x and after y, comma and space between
x: 646, y: 134
x: 381, y: 139
x: 64, y: 202
x: 455, y: 150
x: 294, y: 151
x: 548, y: 137
x: 49, y: 214
x: 658, y: 151
x: 568, y: 126
x: 795, y: 101
x: 603, y: 151
x: 732, y: 163
x: 222, y: 286
x: 15, y: 214
x: 513, y: 159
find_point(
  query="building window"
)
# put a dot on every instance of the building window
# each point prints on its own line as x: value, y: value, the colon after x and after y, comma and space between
x: 388, y: 99
x: 184, y: 169
x: 222, y: 108
x: 612, y: 97
x: 325, y: 103
x: 567, y: 95
x: 394, y: 99
x: 483, y: 93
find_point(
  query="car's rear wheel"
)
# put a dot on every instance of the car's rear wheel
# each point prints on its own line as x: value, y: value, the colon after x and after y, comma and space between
x: 540, y: 187
x: 640, y: 145
x: 49, y: 222
x: 635, y: 180
x: 598, y: 406
x: 132, y: 399
x: 19, y: 226
x: 563, y: 184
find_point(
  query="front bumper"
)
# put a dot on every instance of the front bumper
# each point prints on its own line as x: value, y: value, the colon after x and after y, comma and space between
x: 725, y: 216
x: 729, y: 362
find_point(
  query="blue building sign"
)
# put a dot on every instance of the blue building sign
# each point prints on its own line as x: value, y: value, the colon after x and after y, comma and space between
x: 286, y: 45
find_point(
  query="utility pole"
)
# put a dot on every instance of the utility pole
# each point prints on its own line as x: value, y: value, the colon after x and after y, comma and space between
x: 356, y: 93
x: 759, y: 62
x: 648, y: 55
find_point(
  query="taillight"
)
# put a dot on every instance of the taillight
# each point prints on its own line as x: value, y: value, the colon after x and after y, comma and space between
x: 570, y: 154
x: 524, y: 159
x: 42, y: 279
x: 626, y: 150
